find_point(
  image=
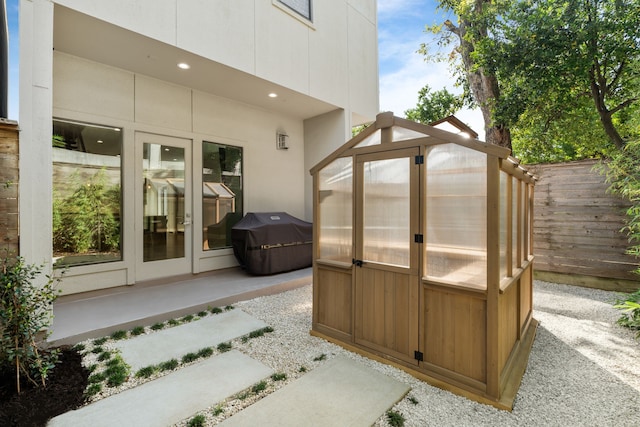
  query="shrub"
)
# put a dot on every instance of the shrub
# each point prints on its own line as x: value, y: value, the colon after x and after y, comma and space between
x: 197, y: 421
x: 395, y: 419
x: 146, y: 372
x: 189, y: 357
x: 25, y: 311
x: 224, y: 347
x: 279, y: 377
x: 119, y: 335
x: 168, y: 365
x: 630, y: 307
x: 261, y: 386
x: 157, y: 326
x: 138, y: 330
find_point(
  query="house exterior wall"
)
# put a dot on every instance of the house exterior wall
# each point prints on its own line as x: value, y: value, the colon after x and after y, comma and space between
x: 328, y: 60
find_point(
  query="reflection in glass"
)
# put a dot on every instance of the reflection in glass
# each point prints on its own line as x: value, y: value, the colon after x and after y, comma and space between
x: 221, y: 193
x: 87, y: 198
x: 163, y: 202
x: 386, y: 210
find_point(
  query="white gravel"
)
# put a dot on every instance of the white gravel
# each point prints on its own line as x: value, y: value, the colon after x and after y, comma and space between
x: 584, y: 369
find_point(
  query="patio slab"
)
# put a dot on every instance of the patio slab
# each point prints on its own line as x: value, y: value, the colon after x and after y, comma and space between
x: 169, y: 399
x: 175, y: 342
x: 340, y: 392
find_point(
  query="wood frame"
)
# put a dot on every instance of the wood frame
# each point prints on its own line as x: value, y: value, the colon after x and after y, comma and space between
x: 471, y: 340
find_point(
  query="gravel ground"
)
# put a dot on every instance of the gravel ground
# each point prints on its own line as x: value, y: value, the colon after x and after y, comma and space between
x: 584, y: 369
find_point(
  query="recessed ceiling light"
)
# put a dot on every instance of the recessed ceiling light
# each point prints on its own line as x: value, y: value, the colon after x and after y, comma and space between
x: 100, y: 141
x: 273, y: 95
x: 184, y: 65
x: 166, y: 149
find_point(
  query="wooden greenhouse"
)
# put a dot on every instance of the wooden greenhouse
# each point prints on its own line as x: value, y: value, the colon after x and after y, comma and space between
x: 422, y: 256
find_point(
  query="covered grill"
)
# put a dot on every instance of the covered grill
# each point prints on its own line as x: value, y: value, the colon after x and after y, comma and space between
x: 272, y: 242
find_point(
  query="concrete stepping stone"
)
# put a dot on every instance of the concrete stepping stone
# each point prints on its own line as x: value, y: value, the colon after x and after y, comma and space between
x: 340, y: 392
x: 169, y: 399
x: 175, y: 342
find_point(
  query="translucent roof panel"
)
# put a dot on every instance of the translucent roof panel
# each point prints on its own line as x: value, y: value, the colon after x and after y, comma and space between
x: 373, y: 139
x: 217, y: 189
x: 402, y: 134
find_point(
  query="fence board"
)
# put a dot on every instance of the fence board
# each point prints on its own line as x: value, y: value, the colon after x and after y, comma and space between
x: 577, y: 223
x: 9, y: 233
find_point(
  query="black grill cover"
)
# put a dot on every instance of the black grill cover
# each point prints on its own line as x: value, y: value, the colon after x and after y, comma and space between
x: 272, y: 242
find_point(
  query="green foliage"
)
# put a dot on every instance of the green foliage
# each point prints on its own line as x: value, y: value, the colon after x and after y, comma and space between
x: 229, y: 307
x: 623, y: 176
x: 146, y: 372
x: 219, y: 409
x: 190, y: 357
x: 157, y: 326
x: 85, y: 220
x: 433, y: 106
x: 100, y: 341
x: 168, y: 365
x: 197, y: 421
x: 395, y: 419
x: 261, y: 386
x: 119, y: 335
x: 93, y: 389
x: 105, y: 355
x: 117, y: 372
x: 280, y: 376
x: 205, y: 352
x: 630, y: 307
x: 319, y: 358
x: 173, y: 322
x: 97, y: 350
x: 224, y: 347
x: 202, y: 313
x: 25, y: 311
x: 413, y: 400
x: 96, y: 378
x: 302, y: 369
x: 187, y: 318
x: 216, y: 310
x: 138, y: 330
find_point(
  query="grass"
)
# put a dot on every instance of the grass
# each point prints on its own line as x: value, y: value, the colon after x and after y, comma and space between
x: 173, y: 322
x: 279, y: 376
x: 188, y: 318
x: 157, y: 326
x: 117, y: 372
x: 138, y: 330
x: 261, y: 386
x: 224, y: 347
x: 100, y: 341
x: 395, y: 419
x: 205, y: 352
x: 93, y: 389
x: 197, y: 421
x: 229, y: 307
x: 202, y: 313
x: 190, y: 357
x: 104, y: 356
x: 146, y: 372
x: 413, y: 400
x: 97, y: 350
x: 168, y: 365
x: 216, y: 310
x: 319, y: 358
x: 302, y: 369
x: 96, y: 378
x: 219, y: 409
x: 119, y: 335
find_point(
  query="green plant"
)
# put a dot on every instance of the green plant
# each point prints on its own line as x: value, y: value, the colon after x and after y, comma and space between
x: 224, y: 347
x: 243, y: 395
x: 413, y: 400
x: 93, y: 389
x: 279, y: 376
x: 205, y: 352
x: 99, y: 341
x: 630, y: 307
x: 302, y: 369
x: 202, y: 313
x: 189, y: 357
x: 197, y: 421
x: 319, y: 358
x: 119, y: 335
x: 25, y: 311
x: 117, y: 372
x: 216, y: 310
x: 96, y: 378
x: 146, y: 372
x: 92, y: 368
x: 168, y: 365
x: 217, y: 410
x: 229, y: 307
x: 79, y: 347
x: 395, y: 419
x: 173, y: 322
x: 261, y: 386
x: 97, y: 350
x: 188, y: 318
x: 105, y: 355
x: 267, y: 329
x: 138, y: 330
x: 157, y: 326
x: 256, y: 333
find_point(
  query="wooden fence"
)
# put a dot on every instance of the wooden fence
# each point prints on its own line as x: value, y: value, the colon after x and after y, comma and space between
x: 577, y: 225
x: 9, y: 233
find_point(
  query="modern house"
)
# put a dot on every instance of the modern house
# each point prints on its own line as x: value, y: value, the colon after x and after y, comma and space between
x: 148, y: 128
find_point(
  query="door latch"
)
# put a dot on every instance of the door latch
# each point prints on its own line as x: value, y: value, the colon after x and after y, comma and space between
x: 357, y: 262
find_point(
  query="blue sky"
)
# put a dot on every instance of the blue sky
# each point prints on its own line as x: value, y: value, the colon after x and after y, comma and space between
x: 403, y: 72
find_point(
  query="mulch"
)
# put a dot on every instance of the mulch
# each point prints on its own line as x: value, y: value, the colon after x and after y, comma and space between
x: 36, y: 405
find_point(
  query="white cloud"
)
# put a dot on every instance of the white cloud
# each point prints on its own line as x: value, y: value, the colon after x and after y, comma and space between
x: 403, y: 71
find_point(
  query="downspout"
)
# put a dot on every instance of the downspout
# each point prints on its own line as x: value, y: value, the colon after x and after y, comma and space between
x: 4, y: 61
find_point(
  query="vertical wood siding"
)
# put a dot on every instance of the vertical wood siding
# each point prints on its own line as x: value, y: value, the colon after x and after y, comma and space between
x: 9, y: 186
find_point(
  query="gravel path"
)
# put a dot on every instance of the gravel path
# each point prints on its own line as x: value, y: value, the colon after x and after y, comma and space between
x: 584, y: 370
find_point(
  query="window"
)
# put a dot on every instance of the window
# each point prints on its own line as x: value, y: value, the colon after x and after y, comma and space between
x: 336, y: 210
x: 301, y: 7
x: 221, y: 193
x: 87, y: 197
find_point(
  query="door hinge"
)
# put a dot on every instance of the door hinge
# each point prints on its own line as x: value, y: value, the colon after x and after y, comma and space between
x: 419, y: 238
x: 418, y: 356
x: 419, y: 160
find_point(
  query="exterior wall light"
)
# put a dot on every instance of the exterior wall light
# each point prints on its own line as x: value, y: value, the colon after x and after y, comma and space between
x: 282, y: 141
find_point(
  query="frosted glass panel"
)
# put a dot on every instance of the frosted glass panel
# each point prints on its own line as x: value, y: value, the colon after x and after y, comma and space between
x: 373, y: 139
x: 514, y: 224
x: 335, y: 210
x: 402, y: 134
x: 503, y: 224
x: 456, y: 206
x: 386, y: 209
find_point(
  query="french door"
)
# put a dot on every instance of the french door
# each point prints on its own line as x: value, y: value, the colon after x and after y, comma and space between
x: 387, y: 252
x: 163, y: 206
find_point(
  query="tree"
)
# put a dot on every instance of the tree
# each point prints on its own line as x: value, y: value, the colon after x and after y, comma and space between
x: 476, y: 18
x: 560, y: 52
x: 433, y: 106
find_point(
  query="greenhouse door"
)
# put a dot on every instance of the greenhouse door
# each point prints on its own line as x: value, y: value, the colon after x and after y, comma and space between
x: 163, y: 206
x: 387, y: 252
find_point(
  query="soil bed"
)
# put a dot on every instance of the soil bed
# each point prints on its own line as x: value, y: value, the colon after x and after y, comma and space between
x: 36, y: 405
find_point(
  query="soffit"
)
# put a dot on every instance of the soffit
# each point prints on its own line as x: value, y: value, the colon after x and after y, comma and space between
x: 90, y: 38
